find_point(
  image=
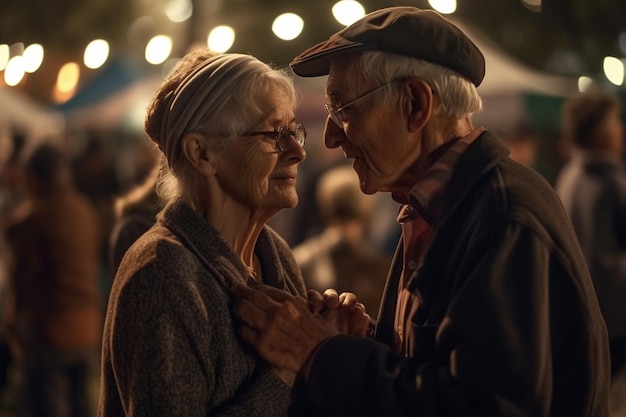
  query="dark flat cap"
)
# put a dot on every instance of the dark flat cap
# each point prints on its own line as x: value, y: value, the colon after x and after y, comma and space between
x: 422, y: 34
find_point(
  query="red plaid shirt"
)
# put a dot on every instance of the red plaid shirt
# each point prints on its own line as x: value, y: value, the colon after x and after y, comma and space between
x: 418, y: 220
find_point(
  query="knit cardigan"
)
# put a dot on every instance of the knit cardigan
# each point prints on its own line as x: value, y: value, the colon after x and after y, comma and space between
x: 171, y: 345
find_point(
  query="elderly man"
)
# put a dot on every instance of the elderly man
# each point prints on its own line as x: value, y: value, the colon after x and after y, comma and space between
x: 489, y: 309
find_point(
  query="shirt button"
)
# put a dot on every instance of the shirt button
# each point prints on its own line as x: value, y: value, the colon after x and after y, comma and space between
x: 412, y: 265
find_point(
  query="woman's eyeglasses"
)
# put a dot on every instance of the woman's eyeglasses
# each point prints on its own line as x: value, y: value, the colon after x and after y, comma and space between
x: 283, y: 136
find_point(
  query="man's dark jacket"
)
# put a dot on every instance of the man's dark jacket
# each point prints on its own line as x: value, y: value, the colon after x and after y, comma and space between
x: 509, y: 323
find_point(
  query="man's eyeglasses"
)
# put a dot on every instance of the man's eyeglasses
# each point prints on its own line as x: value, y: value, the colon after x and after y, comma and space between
x: 283, y: 136
x: 336, y: 114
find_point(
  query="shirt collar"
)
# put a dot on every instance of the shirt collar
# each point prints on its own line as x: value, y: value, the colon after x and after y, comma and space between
x: 427, y: 196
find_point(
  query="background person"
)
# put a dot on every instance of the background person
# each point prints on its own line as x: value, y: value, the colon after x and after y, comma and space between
x: 54, y: 316
x: 135, y: 213
x: 340, y: 256
x: 592, y: 187
x: 228, y: 132
x: 489, y: 309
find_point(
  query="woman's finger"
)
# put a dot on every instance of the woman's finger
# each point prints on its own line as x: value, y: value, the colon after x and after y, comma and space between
x: 315, y: 301
x: 331, y: 299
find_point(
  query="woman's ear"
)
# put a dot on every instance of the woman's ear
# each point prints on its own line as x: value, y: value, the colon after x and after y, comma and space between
x: 420, y: 107
x: 197, y: 150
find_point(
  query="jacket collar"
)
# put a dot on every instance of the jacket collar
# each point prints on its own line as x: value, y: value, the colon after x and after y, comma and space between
x: 474, y: 164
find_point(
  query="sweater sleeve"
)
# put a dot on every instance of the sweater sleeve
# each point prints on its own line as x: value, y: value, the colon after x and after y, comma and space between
x: 493, y: 352
x: 267, y: 396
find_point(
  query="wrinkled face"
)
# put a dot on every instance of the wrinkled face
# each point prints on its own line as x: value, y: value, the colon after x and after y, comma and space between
x: 254, y: 172
x: 373, y: 132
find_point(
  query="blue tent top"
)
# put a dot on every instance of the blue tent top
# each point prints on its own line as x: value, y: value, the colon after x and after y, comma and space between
x: 112, y: 78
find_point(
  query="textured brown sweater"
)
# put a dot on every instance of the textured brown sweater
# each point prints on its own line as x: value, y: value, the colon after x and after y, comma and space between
x: 171, y: 346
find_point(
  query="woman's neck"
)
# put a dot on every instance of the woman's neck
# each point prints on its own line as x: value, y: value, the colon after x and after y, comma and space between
x: 239, y: 225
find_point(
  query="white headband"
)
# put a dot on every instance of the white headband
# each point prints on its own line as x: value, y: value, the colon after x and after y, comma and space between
x: 204, y: 90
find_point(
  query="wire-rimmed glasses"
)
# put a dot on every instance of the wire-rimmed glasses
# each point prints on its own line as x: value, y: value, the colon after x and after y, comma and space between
x: 282, y: 136
x: 335, y: 114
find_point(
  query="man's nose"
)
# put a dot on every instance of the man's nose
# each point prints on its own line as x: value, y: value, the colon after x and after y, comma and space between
x: 333, y: 135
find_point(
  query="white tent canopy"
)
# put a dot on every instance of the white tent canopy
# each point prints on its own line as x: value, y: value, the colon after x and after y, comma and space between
x: 21, y: 113
x: 504, y: 74
x: 123, y: 109
x: 507, y: 82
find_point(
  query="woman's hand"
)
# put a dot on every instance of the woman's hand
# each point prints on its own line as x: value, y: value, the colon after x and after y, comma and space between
x: 343, y: 311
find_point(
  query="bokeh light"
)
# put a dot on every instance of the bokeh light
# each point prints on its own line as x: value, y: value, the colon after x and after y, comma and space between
x: 347, y: 12
x: 614, y: 70
x: 67, y: 80
x: 158, y: 49
x: 14, y: 71
x: 179, y: 10
x: 4, y: 55
x: 443, y: 6
x: 221, y: 38
x: 33, y: 57
x: 584, y: 83
x: 96, y: 53
x: 288, y: 26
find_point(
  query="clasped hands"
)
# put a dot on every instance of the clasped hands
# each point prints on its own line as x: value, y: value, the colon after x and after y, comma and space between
x: 286, y: 329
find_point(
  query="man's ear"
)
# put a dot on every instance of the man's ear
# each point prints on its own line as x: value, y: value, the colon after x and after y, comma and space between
x: 420, y: 106
x: 197, y: 150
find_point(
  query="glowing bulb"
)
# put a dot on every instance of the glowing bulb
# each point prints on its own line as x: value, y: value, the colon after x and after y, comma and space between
x: 96, y: 53
x: 14, y: 71
x: 33, y: 57
x: 614, y: 70
x: 584, y: 83
x: 443, y: 6
x: 288, y: 26
x: 347, y: 12
x: 67, y: 80
x: 5, y: 53
x: 158, y: 49
x: 221, y: 38
x: 179, y: 10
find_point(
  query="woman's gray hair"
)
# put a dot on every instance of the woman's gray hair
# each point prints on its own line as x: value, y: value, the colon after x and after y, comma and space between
x: 457, y: 95
x: 217, y: 95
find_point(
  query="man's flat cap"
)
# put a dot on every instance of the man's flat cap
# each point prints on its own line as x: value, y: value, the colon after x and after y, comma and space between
x: 422, y: 34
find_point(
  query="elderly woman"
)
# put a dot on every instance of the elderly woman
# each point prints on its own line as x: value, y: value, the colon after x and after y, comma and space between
x: 231, y: 148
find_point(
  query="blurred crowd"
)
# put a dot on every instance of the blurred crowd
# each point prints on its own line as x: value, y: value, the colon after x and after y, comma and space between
x: 57, y: 214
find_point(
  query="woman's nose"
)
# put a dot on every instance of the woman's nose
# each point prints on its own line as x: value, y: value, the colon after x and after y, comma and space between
x: 294, y: 151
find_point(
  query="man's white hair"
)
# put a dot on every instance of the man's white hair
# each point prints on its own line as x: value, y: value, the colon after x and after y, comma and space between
x: 457, y: 95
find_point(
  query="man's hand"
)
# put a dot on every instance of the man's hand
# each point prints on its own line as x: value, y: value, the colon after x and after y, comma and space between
x: 279, y: 325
